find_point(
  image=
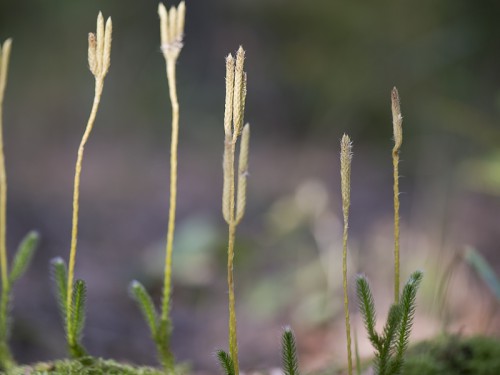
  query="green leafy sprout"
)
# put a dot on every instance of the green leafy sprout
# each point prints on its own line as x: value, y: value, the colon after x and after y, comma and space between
x: 391, y: 344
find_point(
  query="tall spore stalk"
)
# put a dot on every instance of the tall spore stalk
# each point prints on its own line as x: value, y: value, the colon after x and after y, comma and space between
x: 26, y: 248
x: 345, y: 177
x: 233, y: 201
x: 397, y: 121
x: 172, y: 32
x: 73, y: 293
x: 4, y: 67
x: 160, y: 325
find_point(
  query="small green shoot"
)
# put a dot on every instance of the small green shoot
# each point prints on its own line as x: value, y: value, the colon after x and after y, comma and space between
x: 226, y: 362
x: 77, y: 311
x: 391, y: 345
x: 60, y: 275
x: 289, y: 353
x: 23, y: 256
x: 20, y: 263
x: 160, y: 332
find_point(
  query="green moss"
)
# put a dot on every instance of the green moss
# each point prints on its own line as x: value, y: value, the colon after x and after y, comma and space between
x: 88, y: 366
x: 451, y: 355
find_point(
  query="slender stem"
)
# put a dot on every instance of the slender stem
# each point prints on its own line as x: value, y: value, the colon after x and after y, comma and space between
x: 230, y: 145
x: 6, y: 360
x: 173, y: 188
x: 76, y: 197
x: 346, y: 296
x: 233, y: 341
x: 395, y: 163
x: 5, y: 354
x: 3, y: 183
x: 3, y: 207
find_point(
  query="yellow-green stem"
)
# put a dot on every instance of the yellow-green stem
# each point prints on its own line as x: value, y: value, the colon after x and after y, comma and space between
x: 395, y: 162
x: 3, y: 207
x: 76, y: 197
x: 346, y: 296
x: 233, y: 341
x: 173, y: 189
x: 230, y: 145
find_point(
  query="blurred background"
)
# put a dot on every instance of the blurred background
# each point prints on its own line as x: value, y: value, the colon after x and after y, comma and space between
x: 316, y: 69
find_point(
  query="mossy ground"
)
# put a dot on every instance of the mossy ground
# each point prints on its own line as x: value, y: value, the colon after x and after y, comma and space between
x: 93, y: 366
x: 445, y: 355
x: 452, y: 355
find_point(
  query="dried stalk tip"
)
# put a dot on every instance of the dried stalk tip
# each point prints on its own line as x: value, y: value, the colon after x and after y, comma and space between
x: 228, y: 111
x: 100, y: 41
x: 239, y: 92
x: 4, y: 64
x: 172, y: 29
x: 107, y: 47
x: 181, y: 16
x: 162, y: 12
x: 397, y: 120
x: 345, y: 170
x: 99, y: 52
x: 92, y: 54
x: 243, y: 173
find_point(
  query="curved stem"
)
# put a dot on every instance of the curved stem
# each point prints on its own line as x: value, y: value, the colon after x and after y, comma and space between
x: 233, y: 342
x: 230, y: 146
x: 173, y: 188
x: 395, y: 162
x: 3, y: 205
x: 346, y: 296
x: 76, y: 197
x: 3, y: 208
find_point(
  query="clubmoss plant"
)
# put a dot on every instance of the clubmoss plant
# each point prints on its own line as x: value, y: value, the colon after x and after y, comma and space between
x: 72, y: 295
x: 397, y: 122
x: 390, y: 345
x: 233, y: 202
x: 289, y: 357
x: 345, y: 178
x: 27, y: 247
x: 172, y: 33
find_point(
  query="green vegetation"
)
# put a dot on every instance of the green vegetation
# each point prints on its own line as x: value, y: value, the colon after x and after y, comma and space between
x: 84, y: 366
x: 27, y: 247
x: 160, y: 325
x: 392, y: 353
x: 390, y: 345
x: 289, y: 353
x: 72, y: 296
x: 452, y: 355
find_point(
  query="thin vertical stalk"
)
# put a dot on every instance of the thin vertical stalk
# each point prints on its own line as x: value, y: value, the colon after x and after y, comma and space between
x: 76, y: 207
x: 397, y: 121
x: 233, y: 208
x: 345, y: 176
x: 171, y: 34
x: 99, y: 59
x: 173, y: 189
x: 4, y: 65
x: 233, y: 341
x: 5, y: 355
